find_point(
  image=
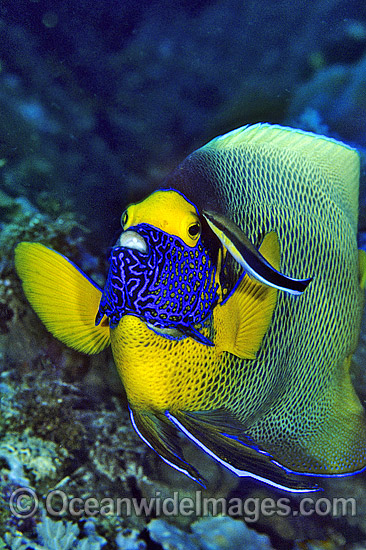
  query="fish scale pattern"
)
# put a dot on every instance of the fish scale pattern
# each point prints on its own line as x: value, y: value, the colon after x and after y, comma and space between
x: 314, y: 331
x: 295, y: 398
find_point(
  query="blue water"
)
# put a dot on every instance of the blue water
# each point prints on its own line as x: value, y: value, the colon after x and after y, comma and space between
x: 99, y: 101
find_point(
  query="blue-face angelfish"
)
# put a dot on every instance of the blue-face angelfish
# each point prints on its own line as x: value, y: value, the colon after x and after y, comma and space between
x: 233, y: 305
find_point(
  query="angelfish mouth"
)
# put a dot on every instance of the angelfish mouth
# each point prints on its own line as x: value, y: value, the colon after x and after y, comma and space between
x: 132, y: 240
x: 173, y: 332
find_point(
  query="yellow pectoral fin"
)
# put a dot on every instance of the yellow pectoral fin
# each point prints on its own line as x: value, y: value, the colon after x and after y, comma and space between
x: 245, y: 317
x: 362, y: 268
x: 64, y: 298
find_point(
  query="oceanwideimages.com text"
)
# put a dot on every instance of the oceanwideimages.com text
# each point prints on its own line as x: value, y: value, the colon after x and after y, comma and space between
x: 25, y: 503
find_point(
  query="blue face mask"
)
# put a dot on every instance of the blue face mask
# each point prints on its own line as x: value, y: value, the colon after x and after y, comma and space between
x: 171, y: 286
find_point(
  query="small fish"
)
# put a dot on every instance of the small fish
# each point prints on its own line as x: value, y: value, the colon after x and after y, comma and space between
x: 233, y: 305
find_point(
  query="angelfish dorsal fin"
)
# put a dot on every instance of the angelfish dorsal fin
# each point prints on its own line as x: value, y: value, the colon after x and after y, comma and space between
x: 338, y: 162
x: 245, y: 317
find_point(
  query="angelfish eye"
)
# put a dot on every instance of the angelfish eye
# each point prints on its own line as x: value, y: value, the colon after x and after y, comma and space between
x: 194, y: 230
x: 124, y: 218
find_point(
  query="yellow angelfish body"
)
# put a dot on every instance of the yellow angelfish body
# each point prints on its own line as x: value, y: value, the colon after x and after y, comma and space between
x: 271, y: 396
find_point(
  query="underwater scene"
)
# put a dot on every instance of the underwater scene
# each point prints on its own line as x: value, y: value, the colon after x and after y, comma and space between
x: 182, y: 275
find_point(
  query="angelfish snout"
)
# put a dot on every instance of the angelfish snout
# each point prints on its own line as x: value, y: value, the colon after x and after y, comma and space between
x: 131, y: 239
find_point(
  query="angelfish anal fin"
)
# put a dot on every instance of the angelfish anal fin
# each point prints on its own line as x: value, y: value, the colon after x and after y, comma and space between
x: 220, y: 435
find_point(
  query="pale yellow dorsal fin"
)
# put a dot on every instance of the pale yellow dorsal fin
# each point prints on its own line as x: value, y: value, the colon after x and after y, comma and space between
x: 339, y: 163
x: 64, y: 298
x: 362, y: 268
x: 243, y: 320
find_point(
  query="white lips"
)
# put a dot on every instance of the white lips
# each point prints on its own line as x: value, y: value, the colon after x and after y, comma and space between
x: 131, y: 239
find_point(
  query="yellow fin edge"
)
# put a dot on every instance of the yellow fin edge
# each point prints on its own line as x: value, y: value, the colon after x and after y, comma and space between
x: 63, y: 297
x: 362, y: 268
x: 247, y: 314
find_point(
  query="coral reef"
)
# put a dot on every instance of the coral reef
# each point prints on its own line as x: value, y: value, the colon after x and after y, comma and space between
x: 58, y: 535
x: 213, y: 533
x: 98, y: 101
x: 42, y: 459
